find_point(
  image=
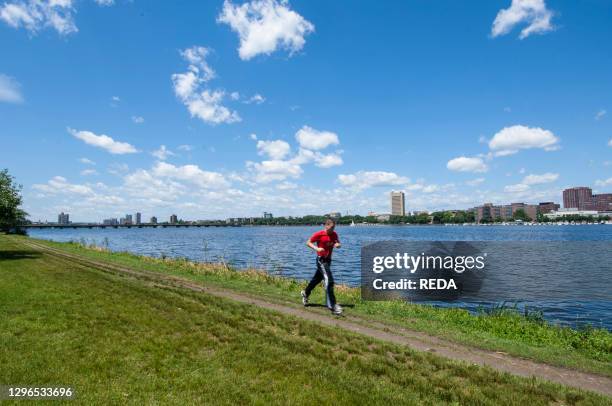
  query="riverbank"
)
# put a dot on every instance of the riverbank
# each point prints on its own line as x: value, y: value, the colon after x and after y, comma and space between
x: 501, y: 329
x: 25, y: 261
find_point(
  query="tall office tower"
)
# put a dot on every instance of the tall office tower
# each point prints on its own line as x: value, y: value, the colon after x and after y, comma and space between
x: 398, y: 203
x: 138, y: 218
x: 577, y: 197
x: 63, y: 218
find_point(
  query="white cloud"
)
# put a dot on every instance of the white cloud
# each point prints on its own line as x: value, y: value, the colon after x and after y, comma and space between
x: 276, y: 150
x: 104, y: 142
x: 305, y: 156
x: 604, y: 183
x: 234, y: 96
x: 118, y: 168
x: 34, y: 15
x: 279, y: 167
x: 59, y: 184
x: 190, y: 173
x: 105, y: 3
x: 286, y: 186
x: 185, y: 148
x: 599, y: 115
x: 138, y: 119
x: 162, y: 153
x: 327, y: 161
x: 519, y: 187
x: 312, y: 139
x: 202, y: 103
x: 207, y: 106
x: 539, y: 179
x: 509, y: 140
x: 530, y: 180
x: 196, y: 56
x: 531, y: 12
x: 116, y: 99
x: 256, y: 99
x: 368, y: 179
x: 86, y: 161
x: 610, y: 142
x: 467, y: 164
x: 253, y: 136
x: 10, y: 90
x: 274, y: 170
x: 265, y: 25
x: 475, y: 182
x: 87, y: 172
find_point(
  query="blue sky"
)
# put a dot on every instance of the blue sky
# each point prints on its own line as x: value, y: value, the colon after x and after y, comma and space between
x: 301, y: 107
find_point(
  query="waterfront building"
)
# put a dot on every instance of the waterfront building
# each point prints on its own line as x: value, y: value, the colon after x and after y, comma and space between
x: 547, y: 207
x: 602, y: 202
x: 490, y: 212
x: 138, y: 218
x: 173, y: 219
x: 63, y: 218
x: 334, y: 215
x: 153, y: 220
x: 110, y: 222
x: 398, y: 203
x: 572, y: 211
x: 267, y: 215
x: 582, y: 198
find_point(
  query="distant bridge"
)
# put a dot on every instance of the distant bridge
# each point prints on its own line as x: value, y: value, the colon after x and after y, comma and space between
x: 143, y: 225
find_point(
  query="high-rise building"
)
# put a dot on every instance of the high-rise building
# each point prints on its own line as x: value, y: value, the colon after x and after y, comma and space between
x: 138, y: 218
x: 267, y: 215
x: 602, y: 202
x: 63, y: 218
x: 153, y: 220
x: 128, y: 219
x: 398, y: 203
x: 582, y: 198
x: 173, y: 219
x: 577, y: 197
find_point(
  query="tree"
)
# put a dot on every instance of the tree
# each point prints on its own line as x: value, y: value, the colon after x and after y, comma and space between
x: 11, y: 215
x: 521, y: 215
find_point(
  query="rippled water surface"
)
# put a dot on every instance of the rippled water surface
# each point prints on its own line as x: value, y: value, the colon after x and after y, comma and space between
x: 282, y: 250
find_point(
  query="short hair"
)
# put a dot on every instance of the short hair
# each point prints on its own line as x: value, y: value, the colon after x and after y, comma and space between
x: 330, y: 221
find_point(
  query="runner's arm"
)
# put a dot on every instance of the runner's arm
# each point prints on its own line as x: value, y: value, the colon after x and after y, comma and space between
x: 313, y: 247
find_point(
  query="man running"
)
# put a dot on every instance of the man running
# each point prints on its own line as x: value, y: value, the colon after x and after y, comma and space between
x: 326, y: 241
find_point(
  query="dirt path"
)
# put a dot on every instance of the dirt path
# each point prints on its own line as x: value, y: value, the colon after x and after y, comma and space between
x: 416, y: 340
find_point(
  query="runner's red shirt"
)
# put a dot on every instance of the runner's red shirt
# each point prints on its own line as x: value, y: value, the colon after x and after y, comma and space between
x: 325, y: 241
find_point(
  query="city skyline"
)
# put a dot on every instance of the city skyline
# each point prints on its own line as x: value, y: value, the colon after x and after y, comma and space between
x: 322, y: 116
x: 578, y: 198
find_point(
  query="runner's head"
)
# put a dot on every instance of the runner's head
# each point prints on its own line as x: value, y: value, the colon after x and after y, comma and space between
x: 330, y: 224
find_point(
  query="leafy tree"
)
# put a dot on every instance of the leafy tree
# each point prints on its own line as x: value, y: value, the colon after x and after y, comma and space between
x: 11, y: 215
x: 521, y: 215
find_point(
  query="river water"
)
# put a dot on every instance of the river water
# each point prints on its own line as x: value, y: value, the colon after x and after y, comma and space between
x: 281, y: 250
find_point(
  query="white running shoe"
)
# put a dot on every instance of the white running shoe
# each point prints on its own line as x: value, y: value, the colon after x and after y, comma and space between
x: 304, y: 298
x: 337, y: 310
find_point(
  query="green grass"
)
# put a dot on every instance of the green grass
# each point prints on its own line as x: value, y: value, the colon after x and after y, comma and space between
x: 587, y: 349
x: 120, y: 340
